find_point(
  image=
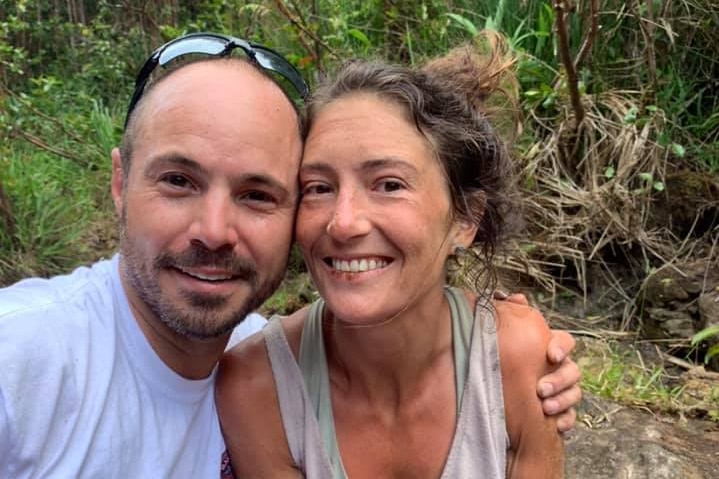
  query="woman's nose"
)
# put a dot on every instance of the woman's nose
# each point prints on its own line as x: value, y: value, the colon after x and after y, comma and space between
x: 350, y: 217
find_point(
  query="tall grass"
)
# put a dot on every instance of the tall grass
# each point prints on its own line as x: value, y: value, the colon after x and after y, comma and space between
x: 58, y: 218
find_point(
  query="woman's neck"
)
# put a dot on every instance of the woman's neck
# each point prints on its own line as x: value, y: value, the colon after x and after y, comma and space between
x: 389, y: 361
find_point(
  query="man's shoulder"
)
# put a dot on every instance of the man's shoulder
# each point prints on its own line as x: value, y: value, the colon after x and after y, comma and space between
x: 40, y: 317
x: 252, y: 323
x: 43, y: 296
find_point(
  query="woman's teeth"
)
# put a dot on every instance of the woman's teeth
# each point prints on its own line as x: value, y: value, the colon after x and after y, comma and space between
x: 358, y: 266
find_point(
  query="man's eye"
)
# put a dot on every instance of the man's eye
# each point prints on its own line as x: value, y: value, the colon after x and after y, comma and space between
x: 177, y: 180
x: 259, y: 196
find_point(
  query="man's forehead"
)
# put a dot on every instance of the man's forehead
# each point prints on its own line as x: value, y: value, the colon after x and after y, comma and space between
x: 213, y: 93
x: 227, y: 77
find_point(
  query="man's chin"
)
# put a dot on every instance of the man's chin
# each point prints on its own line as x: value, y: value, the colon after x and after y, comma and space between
x: 206, y: 326
x: 204, y: 316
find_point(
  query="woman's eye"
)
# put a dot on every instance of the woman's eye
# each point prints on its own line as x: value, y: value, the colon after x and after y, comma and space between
x: 316, y: 189
x: 388, y: 186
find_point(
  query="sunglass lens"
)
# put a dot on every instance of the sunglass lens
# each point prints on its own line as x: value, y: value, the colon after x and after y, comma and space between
x: 199, y: 45
x: 270, y: 61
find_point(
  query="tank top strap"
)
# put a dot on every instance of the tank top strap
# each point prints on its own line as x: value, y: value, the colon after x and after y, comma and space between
x: 462, y: 327
x: 313, y: 364
x: 298, y: 420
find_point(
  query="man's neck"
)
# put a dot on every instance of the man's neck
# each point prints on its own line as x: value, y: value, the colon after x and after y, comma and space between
x: 189, y: 357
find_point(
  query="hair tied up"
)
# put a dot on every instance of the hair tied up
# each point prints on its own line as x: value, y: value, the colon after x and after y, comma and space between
x: 482, y: 72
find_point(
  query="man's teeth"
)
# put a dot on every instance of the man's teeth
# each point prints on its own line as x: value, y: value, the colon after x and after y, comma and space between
x: 207, y: 277
x: 358, y: 266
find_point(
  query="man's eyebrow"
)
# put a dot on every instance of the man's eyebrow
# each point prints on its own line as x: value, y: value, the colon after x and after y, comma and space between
x: 260, y: 179
x: 173, y: 159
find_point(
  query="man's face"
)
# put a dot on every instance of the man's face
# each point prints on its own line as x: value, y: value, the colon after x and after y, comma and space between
x: 208, y: 204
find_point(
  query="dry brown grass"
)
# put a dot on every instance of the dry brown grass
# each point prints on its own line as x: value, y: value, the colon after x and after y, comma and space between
x: 590, y: 191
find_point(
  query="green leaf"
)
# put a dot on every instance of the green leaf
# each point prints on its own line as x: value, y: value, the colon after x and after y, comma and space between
x: 663, y: 139
x: 359, y: 36
x: 713, y: 351
x: 609, y: 172
x: 463, y: 23
x: 646, y: 177
x: 549, y: 101
x: 678, y: 150
x: 705, y: 333
x: 631, y: 115
x: 658, y: 186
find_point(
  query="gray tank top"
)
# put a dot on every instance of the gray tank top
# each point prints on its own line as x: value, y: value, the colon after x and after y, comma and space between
x: 480, y: 440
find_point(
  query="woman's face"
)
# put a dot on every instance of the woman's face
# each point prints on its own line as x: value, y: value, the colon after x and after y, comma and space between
x: 374, y: 222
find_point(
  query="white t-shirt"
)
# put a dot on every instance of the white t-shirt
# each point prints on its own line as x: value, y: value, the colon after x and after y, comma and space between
x: 83, y: 394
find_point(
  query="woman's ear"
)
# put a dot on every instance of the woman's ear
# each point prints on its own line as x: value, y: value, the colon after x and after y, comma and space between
x: 464, y: 232
x: 465, y: 228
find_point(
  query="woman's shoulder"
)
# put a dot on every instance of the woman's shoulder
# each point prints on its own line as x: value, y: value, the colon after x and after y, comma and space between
x: 523, y: 337
x: 247, y: 404
x: 247, y: 362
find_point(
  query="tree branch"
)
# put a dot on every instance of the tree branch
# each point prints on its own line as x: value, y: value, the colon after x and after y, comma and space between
x: 590, y: 36
x: 37, y: 142
x: 565, y: 56
x: 305, y: 30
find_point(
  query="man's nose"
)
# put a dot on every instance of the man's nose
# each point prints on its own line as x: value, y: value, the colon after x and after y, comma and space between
x: 350, y: 218
x: 215, y: 225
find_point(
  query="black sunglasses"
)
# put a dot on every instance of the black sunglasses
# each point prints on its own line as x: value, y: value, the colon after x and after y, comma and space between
x: 215, y: 44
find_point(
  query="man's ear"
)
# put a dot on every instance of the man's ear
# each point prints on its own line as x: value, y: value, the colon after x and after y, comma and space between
x: 116, y: 183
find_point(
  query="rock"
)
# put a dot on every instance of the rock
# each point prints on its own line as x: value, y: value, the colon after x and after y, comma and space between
x: 677, y: 283
x: 709, y: 309
x: 680, y: 300
x: 665, y: 323
x: 689, y: 204
x: 611, y: 441
x: 709, y: 316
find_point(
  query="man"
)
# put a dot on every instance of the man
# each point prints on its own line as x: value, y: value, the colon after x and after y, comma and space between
x: 109, y: 370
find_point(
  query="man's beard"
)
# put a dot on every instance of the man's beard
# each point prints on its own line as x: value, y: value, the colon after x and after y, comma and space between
x: 204, y: 318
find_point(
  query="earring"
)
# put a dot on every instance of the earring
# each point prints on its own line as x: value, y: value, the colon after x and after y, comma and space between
x: 458, y: 250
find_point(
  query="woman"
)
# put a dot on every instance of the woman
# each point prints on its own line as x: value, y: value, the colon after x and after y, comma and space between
x: 400, y: 375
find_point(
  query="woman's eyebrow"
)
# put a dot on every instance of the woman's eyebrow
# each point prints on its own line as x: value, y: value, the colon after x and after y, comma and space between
x: 365, y: 166
x: 388, y: 162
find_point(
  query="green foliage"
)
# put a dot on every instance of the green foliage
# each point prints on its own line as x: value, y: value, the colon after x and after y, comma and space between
x: 703, y: 335
x: 56, y: 214
x: 620, y: 375
x: 66, y: 75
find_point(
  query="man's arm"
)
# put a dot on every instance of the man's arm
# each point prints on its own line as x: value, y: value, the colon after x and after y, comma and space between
x: 5, y: 443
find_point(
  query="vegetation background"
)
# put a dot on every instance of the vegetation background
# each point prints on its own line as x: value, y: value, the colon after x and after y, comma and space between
x: 618, y: 158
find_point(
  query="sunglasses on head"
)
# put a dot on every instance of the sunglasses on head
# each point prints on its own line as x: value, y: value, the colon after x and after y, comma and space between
x: 215, y: 45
